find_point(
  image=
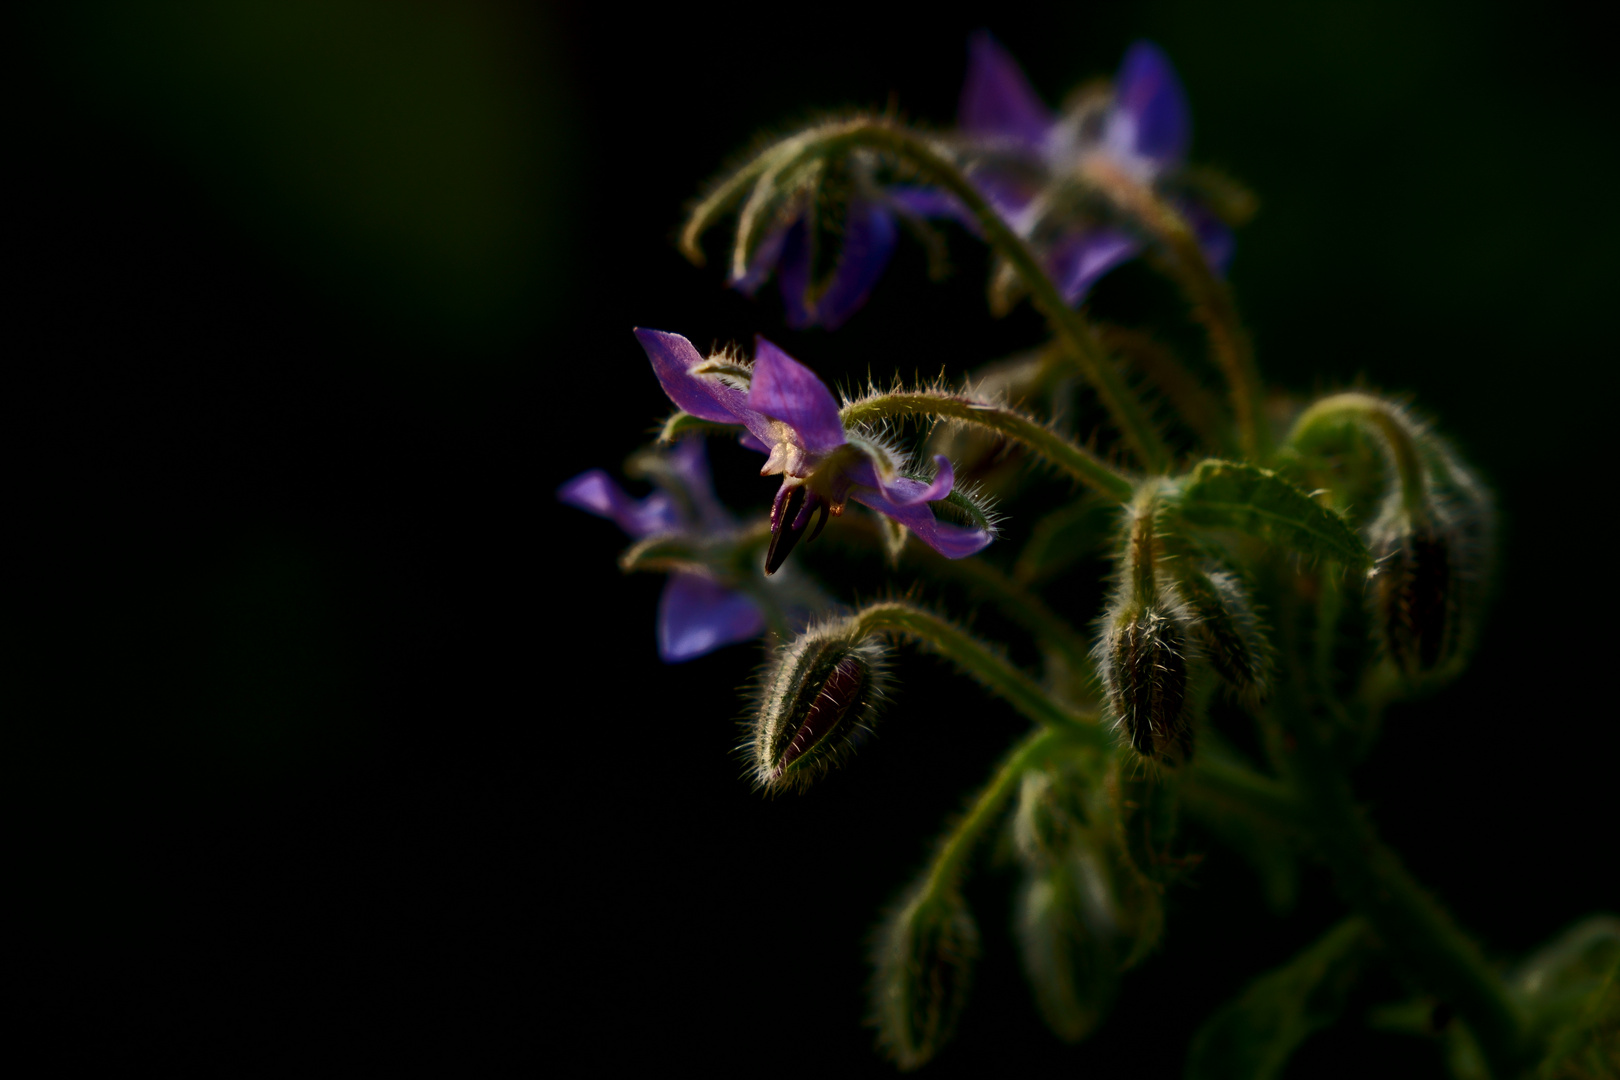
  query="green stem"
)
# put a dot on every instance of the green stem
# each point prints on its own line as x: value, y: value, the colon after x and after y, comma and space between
x: 1417, y: 931
x: 976, y: 659
x: 1010, y: 598
x: 1075, y: 460
x: 923, y: 154
x: 946, y: 871
x: 1210, y: 297
x: 1243, y: 789
x: 1385, y: 420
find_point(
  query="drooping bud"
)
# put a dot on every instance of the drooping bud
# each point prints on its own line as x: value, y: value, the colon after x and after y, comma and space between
x: 923, y: 961
x: 820, y: 694
x: 1143, y: 663
x: 1142, y: 655
x: 1416, y: 597
x: 1225, y: 624
x: 1066, y: 914
x: 1433, y: 563
x: 1067, y: 929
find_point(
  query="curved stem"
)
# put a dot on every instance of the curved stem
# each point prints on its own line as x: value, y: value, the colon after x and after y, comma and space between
x: 1420, y: 935
x: 1241, y: 788
x: 1075, y: 460
x: 975, y: 658
x: 1386, y: 420
x: 1127, y: 411
x: 1011, y: 598
x: 1210, y: 297
x: 957, y: 845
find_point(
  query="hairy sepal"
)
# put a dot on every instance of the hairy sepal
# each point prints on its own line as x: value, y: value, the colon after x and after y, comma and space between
x: 923, y: 961
x: 820, y: 694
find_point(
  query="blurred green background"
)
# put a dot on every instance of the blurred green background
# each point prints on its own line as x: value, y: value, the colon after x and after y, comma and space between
x: 314, y: 726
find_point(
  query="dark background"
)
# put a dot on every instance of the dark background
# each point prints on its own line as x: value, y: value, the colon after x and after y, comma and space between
x: 329, y: 736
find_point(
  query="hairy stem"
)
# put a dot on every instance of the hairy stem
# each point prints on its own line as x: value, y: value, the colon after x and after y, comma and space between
x: 1420, y: 935
x: 1012, y: 599
x: 1386, y: 422
x: 976, y: 659
x: 957, y: 845
x: 1243, y: 789
x: 1073, y: 459
x: 1128, y: 412
x: 1210, y: 297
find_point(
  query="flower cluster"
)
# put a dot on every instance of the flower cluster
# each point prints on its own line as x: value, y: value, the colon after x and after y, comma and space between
x: 1240, y: 567
x: 1034, y: 165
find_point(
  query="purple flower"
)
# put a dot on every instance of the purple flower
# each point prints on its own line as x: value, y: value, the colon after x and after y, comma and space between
x: 696, y: 613
x: 1140, y: 131
x: 868, y: 237
x: 791, y: 416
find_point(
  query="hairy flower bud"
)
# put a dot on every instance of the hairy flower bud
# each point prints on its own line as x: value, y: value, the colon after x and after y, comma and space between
x: 1227, y: 628
x: 1142, y: 659
x: 820, y: 693
x: 1067, y: 931
x: 923, y: 959
x: 1416, y: 598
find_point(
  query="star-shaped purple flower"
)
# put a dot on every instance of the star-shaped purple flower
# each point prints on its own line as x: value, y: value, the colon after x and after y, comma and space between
x: 1142, y: 130
x: 696, y: 613
x: 791, y: 416
x: 870, y: 230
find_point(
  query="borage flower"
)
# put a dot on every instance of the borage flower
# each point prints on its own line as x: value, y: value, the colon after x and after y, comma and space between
x: 791, y: 416
x: 866, y: 238
x: 1028, y: 160
x: 697, y: 612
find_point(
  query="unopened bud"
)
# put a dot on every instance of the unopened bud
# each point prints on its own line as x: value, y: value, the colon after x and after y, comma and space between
x: 1227, y: 628
x: 1142, y: 659
x: 924, y: 959
x: 1417, y: 599
x: 820, y: 694
x: 1067, y: 928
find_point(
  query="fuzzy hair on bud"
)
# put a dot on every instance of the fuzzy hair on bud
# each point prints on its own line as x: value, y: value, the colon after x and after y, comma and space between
x: 1228, y: 629
x: 821, y: 692
x: 1433, y: 567
x: 1142, y: 660
x: 1066, y: 927
x: 922, y: 961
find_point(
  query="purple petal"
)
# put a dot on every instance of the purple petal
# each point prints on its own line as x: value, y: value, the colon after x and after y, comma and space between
x: 929, y: 202
x: 766, y: 256
x: 997, y: 99
x: 869, y: 236
x: 1079, y: 260
x: 1149, y: 95
x: 1214, y: 237
x: 951, y: 541
x: 689, y: 460
x: 786, y: 390
x: 748, y: 442
x: 793, y: 276
x: 696, y: 616
x: 596, y: 493
x: 904, y: 491
x: 672, y: 358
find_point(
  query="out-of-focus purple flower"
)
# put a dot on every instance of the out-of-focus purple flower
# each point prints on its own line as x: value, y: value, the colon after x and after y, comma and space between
x: 870, y: 229
x: 791, y: 416
x: 696, y: 613
x: 1141, y: 130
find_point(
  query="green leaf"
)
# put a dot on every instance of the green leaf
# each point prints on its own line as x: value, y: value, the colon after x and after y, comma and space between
x: 1258, y: 502
x: 1252, y: 1037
